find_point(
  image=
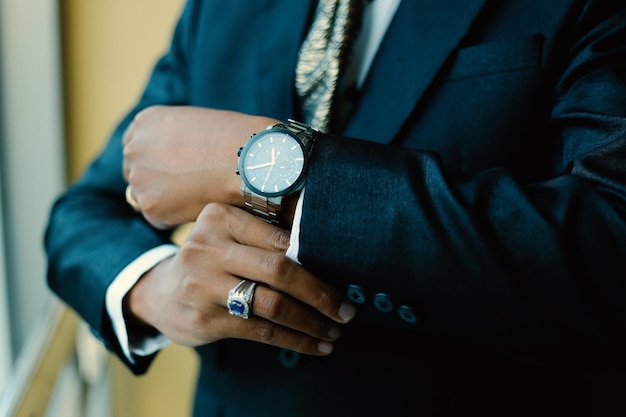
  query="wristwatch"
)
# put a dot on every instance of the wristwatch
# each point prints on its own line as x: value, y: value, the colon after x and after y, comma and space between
x: 273, y: 164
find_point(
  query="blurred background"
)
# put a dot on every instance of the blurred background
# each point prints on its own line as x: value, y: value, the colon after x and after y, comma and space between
x: 69, y: 70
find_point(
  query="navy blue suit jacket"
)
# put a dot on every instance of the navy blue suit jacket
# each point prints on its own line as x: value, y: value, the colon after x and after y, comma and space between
x: 474, y: 205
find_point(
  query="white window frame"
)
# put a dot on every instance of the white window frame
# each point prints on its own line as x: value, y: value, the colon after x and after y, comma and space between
x: 32, y: 166
x: 5, y: 331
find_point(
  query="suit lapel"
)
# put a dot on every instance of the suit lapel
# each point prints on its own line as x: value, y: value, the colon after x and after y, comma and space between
x: 420, y: 38
x: 278, y: 28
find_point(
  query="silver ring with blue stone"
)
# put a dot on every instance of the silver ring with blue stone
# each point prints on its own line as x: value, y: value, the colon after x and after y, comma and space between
x: 240, y: 299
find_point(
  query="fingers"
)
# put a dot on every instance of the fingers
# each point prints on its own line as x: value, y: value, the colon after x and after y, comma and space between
x: 290, y: 307
x: 285, y: 276
x: 126, y: 138
x: 302, y: 329
x: 143, y: 116
x: 278, y: 307
x: 259, y: 330
x: 201, y: 314
x: 257, y: 252
x: 236, y: 225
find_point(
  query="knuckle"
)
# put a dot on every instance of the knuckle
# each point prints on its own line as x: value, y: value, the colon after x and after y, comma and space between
x: 264, y: 332
x: 140, y: 116
x: 189, y: 253
x: 198, y: 318
x: 134, y: 179
x: 277, y: 264
x: 233, y: 224
x: 148, y: 203
x: 146, y: 114
x: 201, y: 245
x: 157, y: 221
x: 152, y: 206
x: 189, y: 285
x: 128, y: 150
x: 278, y: 238
x: 215, y: 213
x: 327, y: 297
x: 271, y: 304
x: 303, y: 345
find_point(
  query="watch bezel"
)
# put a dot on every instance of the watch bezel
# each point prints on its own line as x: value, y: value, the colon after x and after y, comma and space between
x: 297, y: 185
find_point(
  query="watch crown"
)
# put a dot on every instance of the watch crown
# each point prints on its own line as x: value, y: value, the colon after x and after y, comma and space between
x: 239, y: 151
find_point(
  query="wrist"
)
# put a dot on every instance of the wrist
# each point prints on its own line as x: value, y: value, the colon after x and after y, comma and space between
x: 138, y: 302
x: 273, y: 167
x: 257, y: 124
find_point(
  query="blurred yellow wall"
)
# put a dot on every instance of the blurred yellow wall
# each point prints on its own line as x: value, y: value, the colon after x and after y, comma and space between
x: 109, y: 49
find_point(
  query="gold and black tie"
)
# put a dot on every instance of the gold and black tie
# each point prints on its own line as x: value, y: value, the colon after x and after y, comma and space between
x: 323, y: 57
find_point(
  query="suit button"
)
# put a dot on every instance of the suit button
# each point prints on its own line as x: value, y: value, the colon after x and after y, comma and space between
x: 407, y: 314
x: 383, y: 302
x: 356, y: 294
x: 288, y: 358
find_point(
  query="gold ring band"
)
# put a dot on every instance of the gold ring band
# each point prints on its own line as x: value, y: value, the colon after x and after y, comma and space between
x: 131, y: 200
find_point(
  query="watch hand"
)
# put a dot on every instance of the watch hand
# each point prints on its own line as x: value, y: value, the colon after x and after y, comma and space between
x: 267, y: 164
x: 269, y: 171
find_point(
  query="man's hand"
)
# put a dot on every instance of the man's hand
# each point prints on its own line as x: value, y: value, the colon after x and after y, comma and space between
x: 178, y: 159
x: 185, y: 296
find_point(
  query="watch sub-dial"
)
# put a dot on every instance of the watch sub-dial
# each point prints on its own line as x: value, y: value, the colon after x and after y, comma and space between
x: 286, y: 168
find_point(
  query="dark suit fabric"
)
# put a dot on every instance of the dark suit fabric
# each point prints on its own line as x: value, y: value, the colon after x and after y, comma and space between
x: 480, y: 182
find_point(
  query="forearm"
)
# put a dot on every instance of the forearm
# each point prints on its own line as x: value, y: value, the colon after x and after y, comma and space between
x: 90, y: 238
x: 484, y: 257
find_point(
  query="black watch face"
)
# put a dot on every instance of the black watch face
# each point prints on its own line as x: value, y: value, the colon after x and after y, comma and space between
x: 272, y: 163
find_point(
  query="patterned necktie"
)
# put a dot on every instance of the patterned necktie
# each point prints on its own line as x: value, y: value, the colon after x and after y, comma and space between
x: 323, y: 57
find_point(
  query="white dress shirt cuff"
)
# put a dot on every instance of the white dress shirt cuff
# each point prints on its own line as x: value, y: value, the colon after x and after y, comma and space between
x: 294, y: 241
x: 118, y: 290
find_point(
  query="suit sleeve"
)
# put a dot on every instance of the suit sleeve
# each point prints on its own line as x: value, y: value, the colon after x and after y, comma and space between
x: 92, y: 234
x: 534, y: 269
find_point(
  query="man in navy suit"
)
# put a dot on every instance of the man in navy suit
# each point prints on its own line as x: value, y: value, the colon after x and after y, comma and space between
x: 458, y: 248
